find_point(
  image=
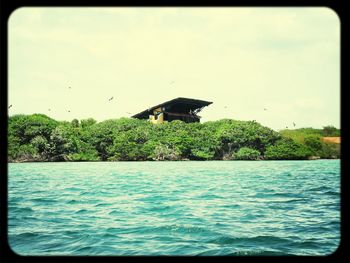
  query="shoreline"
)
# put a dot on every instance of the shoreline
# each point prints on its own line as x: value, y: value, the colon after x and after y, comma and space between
x: 319, y: 159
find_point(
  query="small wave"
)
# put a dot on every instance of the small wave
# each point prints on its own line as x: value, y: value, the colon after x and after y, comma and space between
x: 231, y: 206
x: 160, y: 208
x: 259, y: 253
x: 308, y: 244
x: 20, y: 210
x: 27, y: 235
x: 109, y: 235
x: 265, y: 240
x: 50, y: 246
x: 332, y: 193
x: 207, y: 196
x: 187, y: 229
x: 15, y: 199
x: 81, y: 211
x: 113, y: 230
x: 115, y: 213
x: 73, y: 189
x: 159, y: 230
x: 102, y: 204
x: 77, y: 239
x: 290, y: 195
x: 43, y: 200
x: 320, y: 189
x: 276, y: 194
x: 242, y: 252
x: 73, y: 201
x: 86, y: 250
x: 27, y: 238
x: 70, y: 232
x: 294, y: 200
x: 152, y: 198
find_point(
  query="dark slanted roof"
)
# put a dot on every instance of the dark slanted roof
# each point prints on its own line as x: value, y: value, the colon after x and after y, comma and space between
x: 178, y: 105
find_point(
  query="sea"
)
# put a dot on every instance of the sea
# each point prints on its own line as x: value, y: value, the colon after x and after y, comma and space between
x: 179, y: 208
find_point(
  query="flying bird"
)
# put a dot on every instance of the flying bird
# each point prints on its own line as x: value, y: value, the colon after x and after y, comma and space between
x: 68, y: 110
x: 10, y: 106
x: 49, y: 109
x: 111, y: 99
x: 69, y: 88
x: 225, y: 107
x: 286, y: 127
x: 294, y: 124
x: 265, y: 109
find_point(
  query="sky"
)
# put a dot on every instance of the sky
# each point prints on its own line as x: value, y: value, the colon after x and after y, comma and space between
x: 273, y: 65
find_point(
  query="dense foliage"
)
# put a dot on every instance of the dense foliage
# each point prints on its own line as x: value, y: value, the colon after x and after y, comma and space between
x: 312, y: 139
x: 287, y: 149
x: 246, y: 153
x: 39, y: 138
x: 299, y: 134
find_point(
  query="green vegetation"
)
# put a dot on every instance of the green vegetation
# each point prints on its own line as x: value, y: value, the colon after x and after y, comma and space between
x: 246, y: 153
x: 312, y: 139
x: 299, y: 134
x: 287, y: 149
x: 39, y: 138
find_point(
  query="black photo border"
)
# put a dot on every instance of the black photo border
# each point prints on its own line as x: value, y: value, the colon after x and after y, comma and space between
x: 342, y: 254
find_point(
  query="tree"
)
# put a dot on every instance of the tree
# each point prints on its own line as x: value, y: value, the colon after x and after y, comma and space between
x: 75, y: 123
x: 237, y: 134
x: 27, y: 127
x: 287, y: 149
x: 330, y: 151
x: 330, y: 131
x: 246, y: 153
x: 87, y: 123
x: 41, y: 145
x: 314, y: 143
x: 38, y: 137
x: 27, y: 152
x: 164, y: 152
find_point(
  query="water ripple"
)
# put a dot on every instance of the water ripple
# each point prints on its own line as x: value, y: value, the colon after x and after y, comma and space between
x: 175, y: 208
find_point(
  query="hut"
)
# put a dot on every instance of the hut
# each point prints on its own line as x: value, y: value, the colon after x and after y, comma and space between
x: 183, y: 109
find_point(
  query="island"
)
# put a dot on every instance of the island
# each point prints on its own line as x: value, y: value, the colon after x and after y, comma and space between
x: 39, y: 138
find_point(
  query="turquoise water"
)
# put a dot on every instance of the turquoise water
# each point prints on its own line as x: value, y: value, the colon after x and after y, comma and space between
x: 175, y: 208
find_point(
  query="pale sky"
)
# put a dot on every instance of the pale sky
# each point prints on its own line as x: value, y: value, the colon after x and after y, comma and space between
x: 286, y: 60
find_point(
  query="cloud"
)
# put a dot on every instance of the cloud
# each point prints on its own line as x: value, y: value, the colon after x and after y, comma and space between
x: 286, y: 58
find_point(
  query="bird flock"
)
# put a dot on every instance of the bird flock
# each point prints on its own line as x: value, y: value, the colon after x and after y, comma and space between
x: 129, y: 113
x: 68, y: 110
x: 110, y: 99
